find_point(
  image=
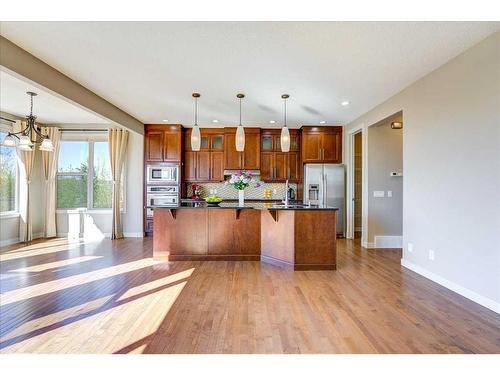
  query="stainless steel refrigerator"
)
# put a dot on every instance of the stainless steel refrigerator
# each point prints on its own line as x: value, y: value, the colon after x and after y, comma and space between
x: 324, y: 185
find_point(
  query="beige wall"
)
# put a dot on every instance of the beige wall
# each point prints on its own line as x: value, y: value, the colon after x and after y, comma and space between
x: 451, y: 157
x: 385, y: 155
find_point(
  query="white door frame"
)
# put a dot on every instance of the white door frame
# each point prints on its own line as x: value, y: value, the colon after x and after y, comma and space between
x: 350, y: 182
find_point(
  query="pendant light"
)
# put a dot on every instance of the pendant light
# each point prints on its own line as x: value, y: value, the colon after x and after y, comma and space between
x: 195, y: 132
x: 285, y: 134
x: 30, y: 135
x: 240, y: 131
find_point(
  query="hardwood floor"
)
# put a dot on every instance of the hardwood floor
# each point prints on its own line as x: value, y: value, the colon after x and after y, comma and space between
x: 110, y: 297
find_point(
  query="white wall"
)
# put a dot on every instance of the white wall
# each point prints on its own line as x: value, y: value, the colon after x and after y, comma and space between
x: 385, y: 215
x: 451, y: 157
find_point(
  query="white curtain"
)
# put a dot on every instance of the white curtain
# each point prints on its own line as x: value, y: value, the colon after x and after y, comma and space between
x: 49, y: 160
x: 26, y: 160
x: 118, y: 140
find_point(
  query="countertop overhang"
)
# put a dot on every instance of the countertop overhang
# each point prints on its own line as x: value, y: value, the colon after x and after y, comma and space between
x: 249, y: 205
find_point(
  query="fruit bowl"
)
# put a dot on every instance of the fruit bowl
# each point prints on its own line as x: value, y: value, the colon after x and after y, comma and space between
x: 213, y: 200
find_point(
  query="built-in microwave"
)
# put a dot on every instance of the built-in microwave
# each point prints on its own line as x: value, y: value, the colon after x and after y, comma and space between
x: 162, y: 173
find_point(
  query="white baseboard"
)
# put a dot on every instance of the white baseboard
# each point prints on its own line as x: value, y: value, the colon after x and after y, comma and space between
x: 367, y: 245
x: 133, y: 234
x: 467, y: 293
x: 12, y: 241
x: 107, y: 235
x: 389, y: 242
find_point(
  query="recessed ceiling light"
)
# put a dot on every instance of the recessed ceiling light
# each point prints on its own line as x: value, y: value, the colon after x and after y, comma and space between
x: 322, y: 122
x: 345, y: 102
x: 215, y: 121
x: 272, y: 122
x: 165, y: 120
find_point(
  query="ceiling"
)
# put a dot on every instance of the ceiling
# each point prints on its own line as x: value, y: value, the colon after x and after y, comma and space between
x: 150, y: 69
x: 48, y: 108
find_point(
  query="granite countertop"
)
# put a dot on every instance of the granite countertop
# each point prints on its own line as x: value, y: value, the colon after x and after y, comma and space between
x: 256, y: 205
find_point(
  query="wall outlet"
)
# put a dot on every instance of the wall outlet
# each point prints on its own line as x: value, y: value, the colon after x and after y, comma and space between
x: 389, y: 193
x: 379, y: 193
x: 410, y: 247
x: 431, y: 254
x: 215, y: 191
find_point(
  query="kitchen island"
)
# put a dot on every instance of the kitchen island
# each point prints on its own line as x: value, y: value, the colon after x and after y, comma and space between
x: 295, y: 236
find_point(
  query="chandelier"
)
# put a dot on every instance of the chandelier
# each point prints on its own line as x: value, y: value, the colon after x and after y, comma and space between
x: 26, y: 139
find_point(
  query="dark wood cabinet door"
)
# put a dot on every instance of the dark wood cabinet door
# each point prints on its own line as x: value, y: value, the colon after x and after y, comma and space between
x: 187, y: 142
x: 232, y: 158
x: 251, y: 155
x: 172, y: 146
x: 266, y: 166
x: 154, y: 146
x: 332, y: 147
x: 311, y: 147
x: 190, y: 166
x: 293, y: 166
x: 280, y: 166
x: 217, y: 166
x: 203, y: 166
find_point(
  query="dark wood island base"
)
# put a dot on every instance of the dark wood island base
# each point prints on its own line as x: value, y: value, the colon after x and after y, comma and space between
x: 301, y: 239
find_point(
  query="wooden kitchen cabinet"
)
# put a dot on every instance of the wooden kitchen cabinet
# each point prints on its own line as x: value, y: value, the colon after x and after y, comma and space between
x: 163, y: 143
x: 207, y: 164
x: 266, y: 166
x: 322, y: 144
x: 217, y: 166
x: 277, y: 166
x: 247, y: 159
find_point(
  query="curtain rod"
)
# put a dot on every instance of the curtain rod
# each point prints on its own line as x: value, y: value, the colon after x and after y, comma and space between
x: 83, y: 130
x: 7, y: 119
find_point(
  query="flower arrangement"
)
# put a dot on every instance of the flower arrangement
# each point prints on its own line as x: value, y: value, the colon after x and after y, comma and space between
x: 241, y: 180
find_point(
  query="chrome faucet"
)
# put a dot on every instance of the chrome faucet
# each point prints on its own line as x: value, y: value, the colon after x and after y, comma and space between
x: 286, y: 193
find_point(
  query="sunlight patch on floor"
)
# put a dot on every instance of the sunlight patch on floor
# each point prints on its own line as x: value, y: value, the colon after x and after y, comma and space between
x: 108, y: 331
x: 30, y: 251
x: 156, y: 284
x: 60, y: 263
x: 36, y: 290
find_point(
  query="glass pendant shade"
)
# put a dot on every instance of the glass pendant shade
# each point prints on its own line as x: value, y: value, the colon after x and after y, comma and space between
x: 25, y: 143
x: 47, y: 145
x: 195, y: 138
x: 240, y: 138
x: 285, y: 139
x: 285, y: 133
x: 9, y: 141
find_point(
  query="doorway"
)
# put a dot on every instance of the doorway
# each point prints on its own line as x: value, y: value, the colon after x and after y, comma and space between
x: 358, y: 179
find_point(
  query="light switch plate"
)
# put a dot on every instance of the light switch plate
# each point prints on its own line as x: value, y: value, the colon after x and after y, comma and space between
x: 431, y: 254
x: 410, y: 247
x: 389, y: 193
x: 379, y: 193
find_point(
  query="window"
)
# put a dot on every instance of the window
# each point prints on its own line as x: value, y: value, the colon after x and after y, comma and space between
x: 84, y: 176
x: 8, y: 177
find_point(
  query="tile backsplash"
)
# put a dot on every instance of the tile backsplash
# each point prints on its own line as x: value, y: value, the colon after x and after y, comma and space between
x: 228, y: 192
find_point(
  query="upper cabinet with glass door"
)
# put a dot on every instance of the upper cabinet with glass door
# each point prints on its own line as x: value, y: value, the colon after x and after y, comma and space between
x: 270, y: 140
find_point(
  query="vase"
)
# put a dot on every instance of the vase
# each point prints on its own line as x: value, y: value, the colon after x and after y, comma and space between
x: 241, y: 198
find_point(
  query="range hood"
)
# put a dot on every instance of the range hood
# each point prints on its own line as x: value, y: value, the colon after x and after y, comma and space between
x: 229, y: 172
